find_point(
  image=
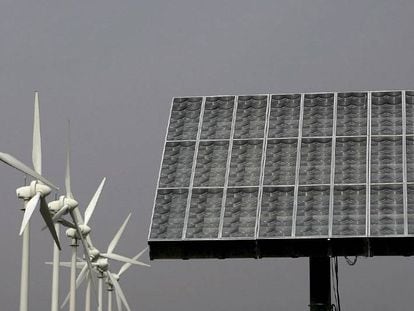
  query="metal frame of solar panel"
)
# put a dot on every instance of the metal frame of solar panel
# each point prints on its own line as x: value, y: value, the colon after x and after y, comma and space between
x: 287, y: 175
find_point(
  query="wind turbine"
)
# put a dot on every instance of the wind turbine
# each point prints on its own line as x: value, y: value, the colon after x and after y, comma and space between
x: 112, y: 280
x: 102, y: 258
x: 113, y: 283
x: 100, y: 261
x: 77, y: 231
x: 58, y: 208
x: 32, y: 195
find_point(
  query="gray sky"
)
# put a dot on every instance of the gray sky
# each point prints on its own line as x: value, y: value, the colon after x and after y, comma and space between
x: 112, y: 67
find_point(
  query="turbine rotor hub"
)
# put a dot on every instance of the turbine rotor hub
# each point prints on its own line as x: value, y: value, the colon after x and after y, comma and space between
x: 73, y: 233
x: 85, y: 229
x: 71, y: 203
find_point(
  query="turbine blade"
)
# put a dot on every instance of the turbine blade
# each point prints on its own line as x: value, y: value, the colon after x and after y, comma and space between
x: 123, y: 259
x: 92, y: 204
x: 60, y: 213
x: 37, y: 142
x: 13, y: 162
x: 118, y: 289
x: 127, y: 265
x: 87, y: 255
x: 118, y: 298
x: 117, y: 236
x: 57, y: 218
x: 118, y: 301
x: 67, y: 175
x: 66, y: 223
x: 81, y: 277
x: 67, y: 264
x: 89, y: 241
x: 28, y: 212
x: 65, y: 301
x: 44, y: 211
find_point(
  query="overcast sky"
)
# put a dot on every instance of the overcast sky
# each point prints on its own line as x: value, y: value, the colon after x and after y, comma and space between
x: 112, y: 67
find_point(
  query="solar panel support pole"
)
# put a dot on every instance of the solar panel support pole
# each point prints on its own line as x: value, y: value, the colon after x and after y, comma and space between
x: 320, y: 284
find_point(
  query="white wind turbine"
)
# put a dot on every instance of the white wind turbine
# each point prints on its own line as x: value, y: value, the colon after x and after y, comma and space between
x: 79, y: 230
x: 100, y: 261
x: 58, y: 209
x: 32, y: 195
x: 113, y: 284
x: 112, y: 280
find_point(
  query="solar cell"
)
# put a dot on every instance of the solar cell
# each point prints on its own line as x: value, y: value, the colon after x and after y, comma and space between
x: 287, y: 175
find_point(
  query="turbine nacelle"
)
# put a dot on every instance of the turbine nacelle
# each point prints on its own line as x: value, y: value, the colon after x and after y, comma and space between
x: 28, y: 192
x: 55, y: 206
x: 94, y: 253
x: 71, y: 203
x: 102, y: 264
x: 73, y: 233
x: 108, y: 281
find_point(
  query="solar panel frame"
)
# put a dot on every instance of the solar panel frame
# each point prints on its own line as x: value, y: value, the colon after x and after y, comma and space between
x: 254, y: 244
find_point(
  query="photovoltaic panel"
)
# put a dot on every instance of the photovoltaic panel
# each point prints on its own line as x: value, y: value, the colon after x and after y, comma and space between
x: 291, y: 175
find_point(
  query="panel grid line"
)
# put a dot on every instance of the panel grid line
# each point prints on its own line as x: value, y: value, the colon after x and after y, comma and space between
x: 332, y: 179
x: 228, y: 163
x: 297, y: 172
x: 368, y: 165
x: 404, y: 152
x: 262, y: 167
x: 193, y: 169
x: 159, y: 171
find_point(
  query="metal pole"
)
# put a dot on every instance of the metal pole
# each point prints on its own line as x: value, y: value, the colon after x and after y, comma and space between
x: 72, y: 300
x: 24, y: 280
x: 88, y: 296
x: 55, y: 275
x: 320, y: 284
x: 100, y: 281
x: 109, y: 298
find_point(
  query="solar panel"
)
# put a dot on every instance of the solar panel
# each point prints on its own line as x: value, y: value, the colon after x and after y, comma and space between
x: 303, y: 174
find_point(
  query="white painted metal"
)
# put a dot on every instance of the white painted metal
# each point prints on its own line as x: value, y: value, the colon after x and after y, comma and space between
x: 88, y: 296
x: 72, y: 300
x: 24, y: 279
x: 79, y: 279
x: 37, y: 141
x: 118, y: 235
x: 109, y: 298
x: 67, y: 204
x: 17, y: 164
x: 118, y: 290
x: 100, y: 282
x: 55, y: 274
x: 31, y: 196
